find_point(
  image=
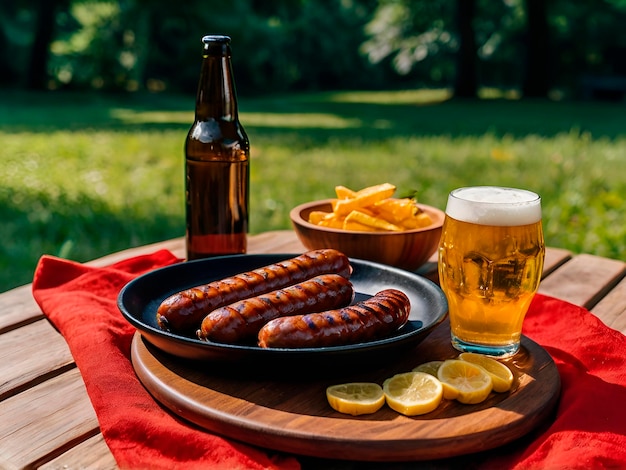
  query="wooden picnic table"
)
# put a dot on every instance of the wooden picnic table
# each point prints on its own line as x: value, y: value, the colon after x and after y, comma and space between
x: 47, y: 420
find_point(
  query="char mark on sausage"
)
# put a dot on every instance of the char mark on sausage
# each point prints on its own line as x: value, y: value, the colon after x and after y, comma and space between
x: 184, y: 311
x: 242, y: 320
x: 374, y: 318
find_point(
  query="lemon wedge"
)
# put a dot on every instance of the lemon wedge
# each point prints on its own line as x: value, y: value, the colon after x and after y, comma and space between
x: 466, y: 382
x: 501, y: 375
x: 430, y: 367
x: 356, y: 398
x: 413, y: 393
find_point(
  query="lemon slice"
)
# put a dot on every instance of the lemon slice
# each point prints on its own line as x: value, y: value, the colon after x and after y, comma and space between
x: 468, y: 383
x: 428, y: 367
x: 413, y: 393
x: 501, y: 375
x: 356, y: 398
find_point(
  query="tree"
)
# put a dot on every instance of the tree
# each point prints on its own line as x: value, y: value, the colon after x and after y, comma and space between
x: 416, y: 38
x: 537, y: 78
x: 466, y: 80
x: 285, y: 45
x: 44, y: 34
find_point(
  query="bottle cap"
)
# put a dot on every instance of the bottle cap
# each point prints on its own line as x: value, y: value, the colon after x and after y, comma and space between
x: 216, y: 45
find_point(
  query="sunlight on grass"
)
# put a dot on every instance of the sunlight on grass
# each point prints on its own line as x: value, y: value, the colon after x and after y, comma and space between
x: 424, y: 96
x: 131, y: 116
x: 285, y: 120
x: 110, y: 175
x: 300, y: 121
x: 497, y: 93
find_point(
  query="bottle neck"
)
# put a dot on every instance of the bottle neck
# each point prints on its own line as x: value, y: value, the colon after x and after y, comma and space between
x: 216, y: 97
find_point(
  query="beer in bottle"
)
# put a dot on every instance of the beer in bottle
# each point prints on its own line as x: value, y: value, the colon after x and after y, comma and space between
x: 217, y: 153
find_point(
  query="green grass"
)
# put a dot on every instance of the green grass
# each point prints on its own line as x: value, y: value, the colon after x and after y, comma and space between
x: 85, y: 175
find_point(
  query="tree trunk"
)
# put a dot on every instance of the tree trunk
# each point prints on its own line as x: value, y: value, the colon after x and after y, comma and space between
x: 44, y: 34
x: 537, y: 81
x: 465, y: 83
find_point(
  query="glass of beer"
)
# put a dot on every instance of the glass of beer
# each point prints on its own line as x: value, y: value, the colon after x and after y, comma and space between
x: 490, y: 263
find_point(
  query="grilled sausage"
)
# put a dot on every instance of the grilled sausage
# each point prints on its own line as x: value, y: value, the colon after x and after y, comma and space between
x: 373, y: 318
x: 183, y: 312
x: 242, y: 320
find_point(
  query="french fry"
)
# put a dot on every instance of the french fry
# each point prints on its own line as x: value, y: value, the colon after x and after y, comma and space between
x: 377, y: 189
x: 396, y: 209
x: 418, y: 221
x: 409, y: 224
x: 315, y: 217
x: 344, y: 193
x: 373, y: 222
x: 364, y: 198
x: 372, y: 209
x: 332, y: 221
x: 365, y: 210
x: 357, y: 227
x: 423, y: 219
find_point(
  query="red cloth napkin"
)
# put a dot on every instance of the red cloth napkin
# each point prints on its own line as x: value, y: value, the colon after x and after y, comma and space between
x: 588, y: 432
x: 81, y: 302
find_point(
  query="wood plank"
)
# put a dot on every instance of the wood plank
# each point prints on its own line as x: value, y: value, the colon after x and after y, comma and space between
x: 92, y: 453
x: 555, y: 257
x: 44, y: 421
x: 23, y: 361
x: 18, y: 308
x: 286, y: 241
x: 584, y: 280
x: 176, y: 246
x: 279, y: 241
x: 612, y: 308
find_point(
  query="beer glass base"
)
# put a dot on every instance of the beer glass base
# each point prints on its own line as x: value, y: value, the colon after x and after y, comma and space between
x: 495, y: 351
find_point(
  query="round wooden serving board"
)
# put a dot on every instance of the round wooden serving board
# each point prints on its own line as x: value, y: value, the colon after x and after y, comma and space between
x: 291, y: 414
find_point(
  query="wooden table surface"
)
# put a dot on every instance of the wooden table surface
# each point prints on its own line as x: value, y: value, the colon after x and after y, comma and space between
x: 46, y: 418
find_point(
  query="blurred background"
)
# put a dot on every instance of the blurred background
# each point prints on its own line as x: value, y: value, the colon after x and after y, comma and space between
x: 538, y: 48
x: 96, y: 97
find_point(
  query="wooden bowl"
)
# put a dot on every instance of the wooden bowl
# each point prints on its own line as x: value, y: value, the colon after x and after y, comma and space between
x: 407, y: 250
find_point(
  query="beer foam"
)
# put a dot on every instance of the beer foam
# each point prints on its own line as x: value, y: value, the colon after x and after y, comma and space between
x: 491, y: 205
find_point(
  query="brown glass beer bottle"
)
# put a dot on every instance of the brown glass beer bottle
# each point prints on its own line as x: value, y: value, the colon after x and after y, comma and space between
x: 217, y: 154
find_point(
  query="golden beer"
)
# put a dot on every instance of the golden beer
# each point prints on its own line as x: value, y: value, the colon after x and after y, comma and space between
x: 490, y: 263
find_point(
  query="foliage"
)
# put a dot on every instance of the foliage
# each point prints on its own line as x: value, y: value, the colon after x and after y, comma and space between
x: 287, y: 45
x: 85, y: 175
x: 410, y: 33
x: 421, y: 38
x: 139, y: 44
